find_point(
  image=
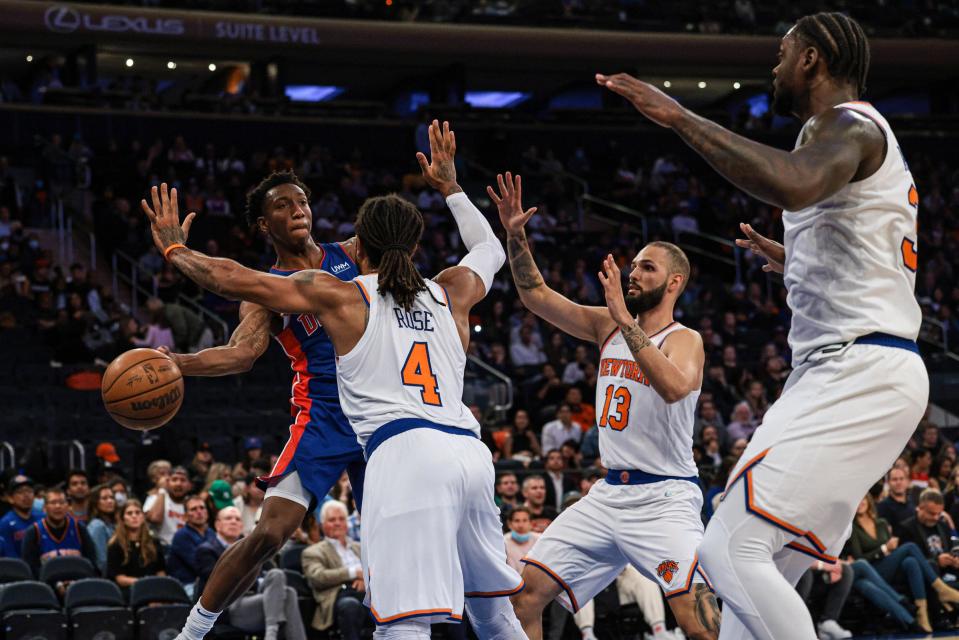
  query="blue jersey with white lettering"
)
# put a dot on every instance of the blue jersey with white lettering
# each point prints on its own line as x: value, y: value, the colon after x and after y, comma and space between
x: 319, y: 427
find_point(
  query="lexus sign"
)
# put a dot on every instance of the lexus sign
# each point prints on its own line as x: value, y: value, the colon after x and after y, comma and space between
x: 65, y: 19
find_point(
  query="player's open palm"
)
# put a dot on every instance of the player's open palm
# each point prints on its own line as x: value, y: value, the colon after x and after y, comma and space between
x: 439, y: 170
x: 772, y: 251
x: 509, y: 202
x: 648, y: 100
x: 612, y: 281
x: 165, y: 218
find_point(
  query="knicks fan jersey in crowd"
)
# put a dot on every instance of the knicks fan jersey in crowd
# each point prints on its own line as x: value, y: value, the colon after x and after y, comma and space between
x: 314, y: 396
x: 407, y: 365
x: 637, y: 428
x: 851, y: 258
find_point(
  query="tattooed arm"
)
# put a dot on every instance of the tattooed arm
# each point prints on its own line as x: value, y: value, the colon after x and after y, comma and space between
x: 839, y: 146
x: 674, y: 370
x: 248, y: 342
x: 586, y: 323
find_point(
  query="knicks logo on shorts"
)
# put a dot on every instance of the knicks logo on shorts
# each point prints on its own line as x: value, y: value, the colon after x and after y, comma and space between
x: 667, y: 570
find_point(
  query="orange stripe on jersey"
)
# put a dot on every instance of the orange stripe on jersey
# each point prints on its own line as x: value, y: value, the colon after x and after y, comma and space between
x: 363, y: 292
x: 608, y: 338
x: 494, y: 594
x: 559, y: 581
x: 300, y: 399
x: 668, y: 326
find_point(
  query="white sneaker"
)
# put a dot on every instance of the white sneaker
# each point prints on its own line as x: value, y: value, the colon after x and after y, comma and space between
x: 588, y: 634
x: 664, y: 635
x: 830, y: 630
x: 678, y: 634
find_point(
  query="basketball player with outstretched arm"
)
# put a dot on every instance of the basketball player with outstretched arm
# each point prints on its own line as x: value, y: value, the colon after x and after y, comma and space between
x: 322, y: 443
x: 646, y: 512
x: 858, y: 386
x: 431, y: 529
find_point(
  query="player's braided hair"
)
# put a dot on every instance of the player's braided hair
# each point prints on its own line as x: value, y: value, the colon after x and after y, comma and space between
x: 389, y: 229
x: 256, y: 197
x: 842, y: 44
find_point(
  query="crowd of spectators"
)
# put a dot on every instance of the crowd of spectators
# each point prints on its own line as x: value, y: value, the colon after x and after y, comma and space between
x: 546, y: 448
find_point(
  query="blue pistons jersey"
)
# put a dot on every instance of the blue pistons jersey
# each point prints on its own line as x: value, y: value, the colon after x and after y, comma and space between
x: 319, y: 434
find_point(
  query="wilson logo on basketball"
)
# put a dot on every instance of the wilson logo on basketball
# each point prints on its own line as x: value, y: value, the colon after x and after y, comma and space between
x: 667, y: 570
x: 168, y: 398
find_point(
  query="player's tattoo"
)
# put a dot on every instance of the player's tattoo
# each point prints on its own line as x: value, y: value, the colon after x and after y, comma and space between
x: 636, y: 339
x: 171, y: 235
x: 707, y: 609
x: 525, y: 272
x: 753, y: 167
x: 199, y: 268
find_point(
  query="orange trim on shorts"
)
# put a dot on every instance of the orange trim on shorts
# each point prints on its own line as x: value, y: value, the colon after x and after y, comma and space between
x: 746, y: 474
x: 414, y: 614
x: 801, y: 548
x: 554, y: 576
x: 689, y: 580
x: 496, y: 594
x: 709, y: 583
x: 746, y: 467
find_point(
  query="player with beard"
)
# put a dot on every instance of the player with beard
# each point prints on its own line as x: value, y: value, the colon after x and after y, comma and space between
x: 849, y: 258
x: 646, y: 511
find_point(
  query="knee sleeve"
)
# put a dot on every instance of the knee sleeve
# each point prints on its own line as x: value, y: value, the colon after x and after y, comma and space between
x: 403, y: 630
x: 494, y: 619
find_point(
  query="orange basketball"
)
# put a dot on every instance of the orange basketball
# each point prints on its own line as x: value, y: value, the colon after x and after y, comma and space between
x: 142, y: 389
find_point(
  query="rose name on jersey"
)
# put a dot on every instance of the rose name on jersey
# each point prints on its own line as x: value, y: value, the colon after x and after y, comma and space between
x: 622, y: 368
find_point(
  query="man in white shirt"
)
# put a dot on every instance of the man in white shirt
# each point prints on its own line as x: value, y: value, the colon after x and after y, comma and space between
x: 558, y: 431
x: 166, y: 509
x: 526, y: 352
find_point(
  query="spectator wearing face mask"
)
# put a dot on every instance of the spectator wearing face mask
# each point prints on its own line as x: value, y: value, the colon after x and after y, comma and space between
x: 520, y: 538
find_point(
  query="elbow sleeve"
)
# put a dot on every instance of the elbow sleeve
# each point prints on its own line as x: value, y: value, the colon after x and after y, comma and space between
x: 486, y: 255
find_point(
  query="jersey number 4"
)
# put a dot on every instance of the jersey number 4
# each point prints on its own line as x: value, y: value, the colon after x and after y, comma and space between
x: 417, y: 372
x: 616, y: 417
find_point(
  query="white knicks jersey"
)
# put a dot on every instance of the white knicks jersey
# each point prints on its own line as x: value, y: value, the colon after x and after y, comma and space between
x: 408, y: 364
x: 851, y: 259
x: 637, y: 428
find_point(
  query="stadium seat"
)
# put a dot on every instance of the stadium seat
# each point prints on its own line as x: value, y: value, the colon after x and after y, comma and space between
x: 292, y: 558
x: 160, y: 606
x: 65, y: 569
x: 14, y: 570
x: 304, y: 595
x: 30, y: 610
x: 96, y: 610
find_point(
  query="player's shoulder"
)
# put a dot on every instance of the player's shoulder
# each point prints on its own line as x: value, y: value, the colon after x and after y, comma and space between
x: 846, y: 122
x: 679, y: 334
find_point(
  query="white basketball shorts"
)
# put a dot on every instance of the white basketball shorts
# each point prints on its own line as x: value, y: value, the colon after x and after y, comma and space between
x: 654, y: 527
x: 431, y: 530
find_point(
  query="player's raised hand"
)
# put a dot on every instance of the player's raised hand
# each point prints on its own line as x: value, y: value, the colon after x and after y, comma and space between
x: 612, y: 280
x: 772, y: 251
x: 440, y: 170
x: 165, y: 218
x: 509, y: 202
x: 648, y: 100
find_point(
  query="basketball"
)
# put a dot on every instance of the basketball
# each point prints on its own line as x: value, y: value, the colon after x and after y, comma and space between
x: 142, y: 389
